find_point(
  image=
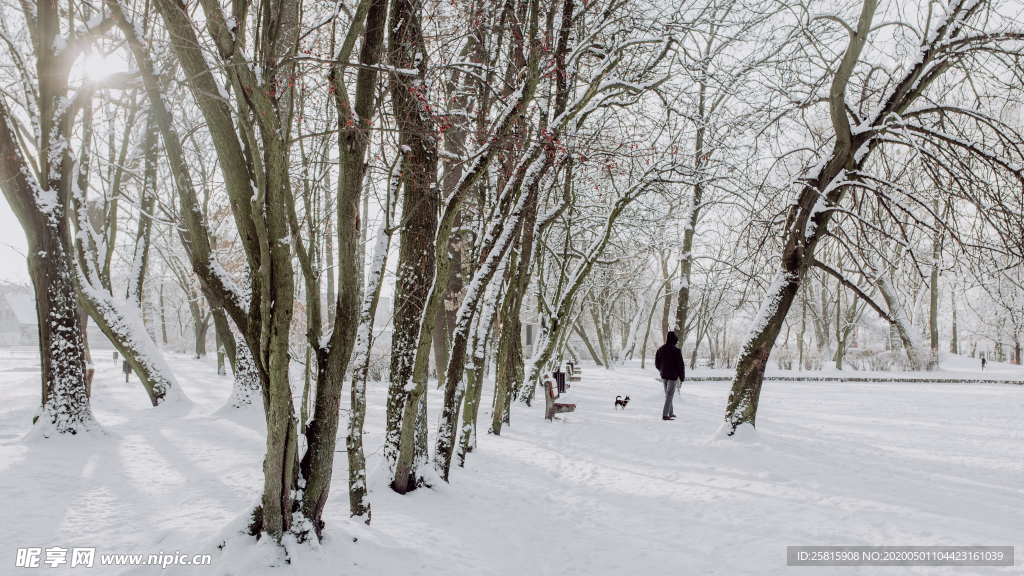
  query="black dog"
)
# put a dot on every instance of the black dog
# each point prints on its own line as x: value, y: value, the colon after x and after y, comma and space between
x: 620, y: 401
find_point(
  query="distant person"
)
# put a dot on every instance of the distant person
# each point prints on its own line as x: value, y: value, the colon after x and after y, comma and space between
x: 983, y: 362
x: 669, y: 362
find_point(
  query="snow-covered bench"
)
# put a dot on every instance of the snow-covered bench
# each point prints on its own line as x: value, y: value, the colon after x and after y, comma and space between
x: 550, y: 394
x: 574, y: 372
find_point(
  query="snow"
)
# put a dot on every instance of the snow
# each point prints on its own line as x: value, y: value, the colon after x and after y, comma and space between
x: 600, y: 491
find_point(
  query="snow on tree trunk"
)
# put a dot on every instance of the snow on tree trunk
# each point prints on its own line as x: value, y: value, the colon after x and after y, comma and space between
x: 121, y: 322
x: 410, y: 98
x: 901, y: 324
x: 361, y: 365
x: 355, y: 118
x: 41, y: 207
x: 245, y: 390
x: 474, y: 373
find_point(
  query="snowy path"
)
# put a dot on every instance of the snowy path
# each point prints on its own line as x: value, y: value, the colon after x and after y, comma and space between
x: 600, y: 492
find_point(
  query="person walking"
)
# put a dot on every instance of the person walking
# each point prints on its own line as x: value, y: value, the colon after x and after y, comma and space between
x: 983, y: 363
x: 669, y: 362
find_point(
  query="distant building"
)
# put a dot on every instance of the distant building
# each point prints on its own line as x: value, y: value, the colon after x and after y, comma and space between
x: 530, y: 332
x: 18, y: 323
x: 20, y: 327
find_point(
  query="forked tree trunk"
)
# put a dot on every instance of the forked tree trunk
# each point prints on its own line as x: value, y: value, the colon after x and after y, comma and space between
x: 354, y: 120
x: 806, y: 223
x: 261, y: 219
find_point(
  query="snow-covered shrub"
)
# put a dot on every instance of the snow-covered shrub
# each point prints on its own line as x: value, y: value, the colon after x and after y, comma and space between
x: 884, y: 361
x: 380, y: 360
x: 784, y: 358
x: 730, y: 353
x: 813, y: 359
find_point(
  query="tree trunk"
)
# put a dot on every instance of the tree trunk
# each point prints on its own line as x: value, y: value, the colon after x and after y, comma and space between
x: 225, y: 337
x: 933, y: 309
x: 803, y: 332
x: 840, y: 339
x: 954, y: 343
x: 512, y: 363
x: 361, y: 362
x: 413, y: 424
x: 65, y: 404
x: 163, y: 315
x: 121, y: 322
x: 147, y: 202
x: 474, y: 373
x: 595, y: 315
x: 498, y: 241
x: 246, y: 389
x: 901, y: 322
x: 686, y: 258
x: 647, y: 333
x: 202, y: 327
x: 416, y: 260
x: 586, y: 341
x: 440, y: 341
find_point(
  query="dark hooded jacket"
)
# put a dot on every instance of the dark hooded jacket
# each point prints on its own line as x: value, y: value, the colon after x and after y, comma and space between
x: 669, y: 360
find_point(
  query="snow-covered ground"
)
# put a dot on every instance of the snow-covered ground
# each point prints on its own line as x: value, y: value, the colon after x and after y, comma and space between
x: 599, y: 492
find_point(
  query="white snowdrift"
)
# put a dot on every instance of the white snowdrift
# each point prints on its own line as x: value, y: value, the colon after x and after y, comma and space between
x: 601, y: 491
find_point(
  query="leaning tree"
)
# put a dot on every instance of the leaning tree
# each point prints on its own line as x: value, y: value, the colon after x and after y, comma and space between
x: 875, y: 103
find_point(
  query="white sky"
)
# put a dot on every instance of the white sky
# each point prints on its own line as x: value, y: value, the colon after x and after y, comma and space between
x: 13, y: 267
x: 12, y: 246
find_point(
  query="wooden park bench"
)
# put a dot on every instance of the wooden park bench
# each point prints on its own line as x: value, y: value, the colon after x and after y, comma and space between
x: 574, y: 372
x: 550, y: 395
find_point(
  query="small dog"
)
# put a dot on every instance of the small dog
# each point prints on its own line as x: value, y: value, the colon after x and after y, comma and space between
x: 620, y: 401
